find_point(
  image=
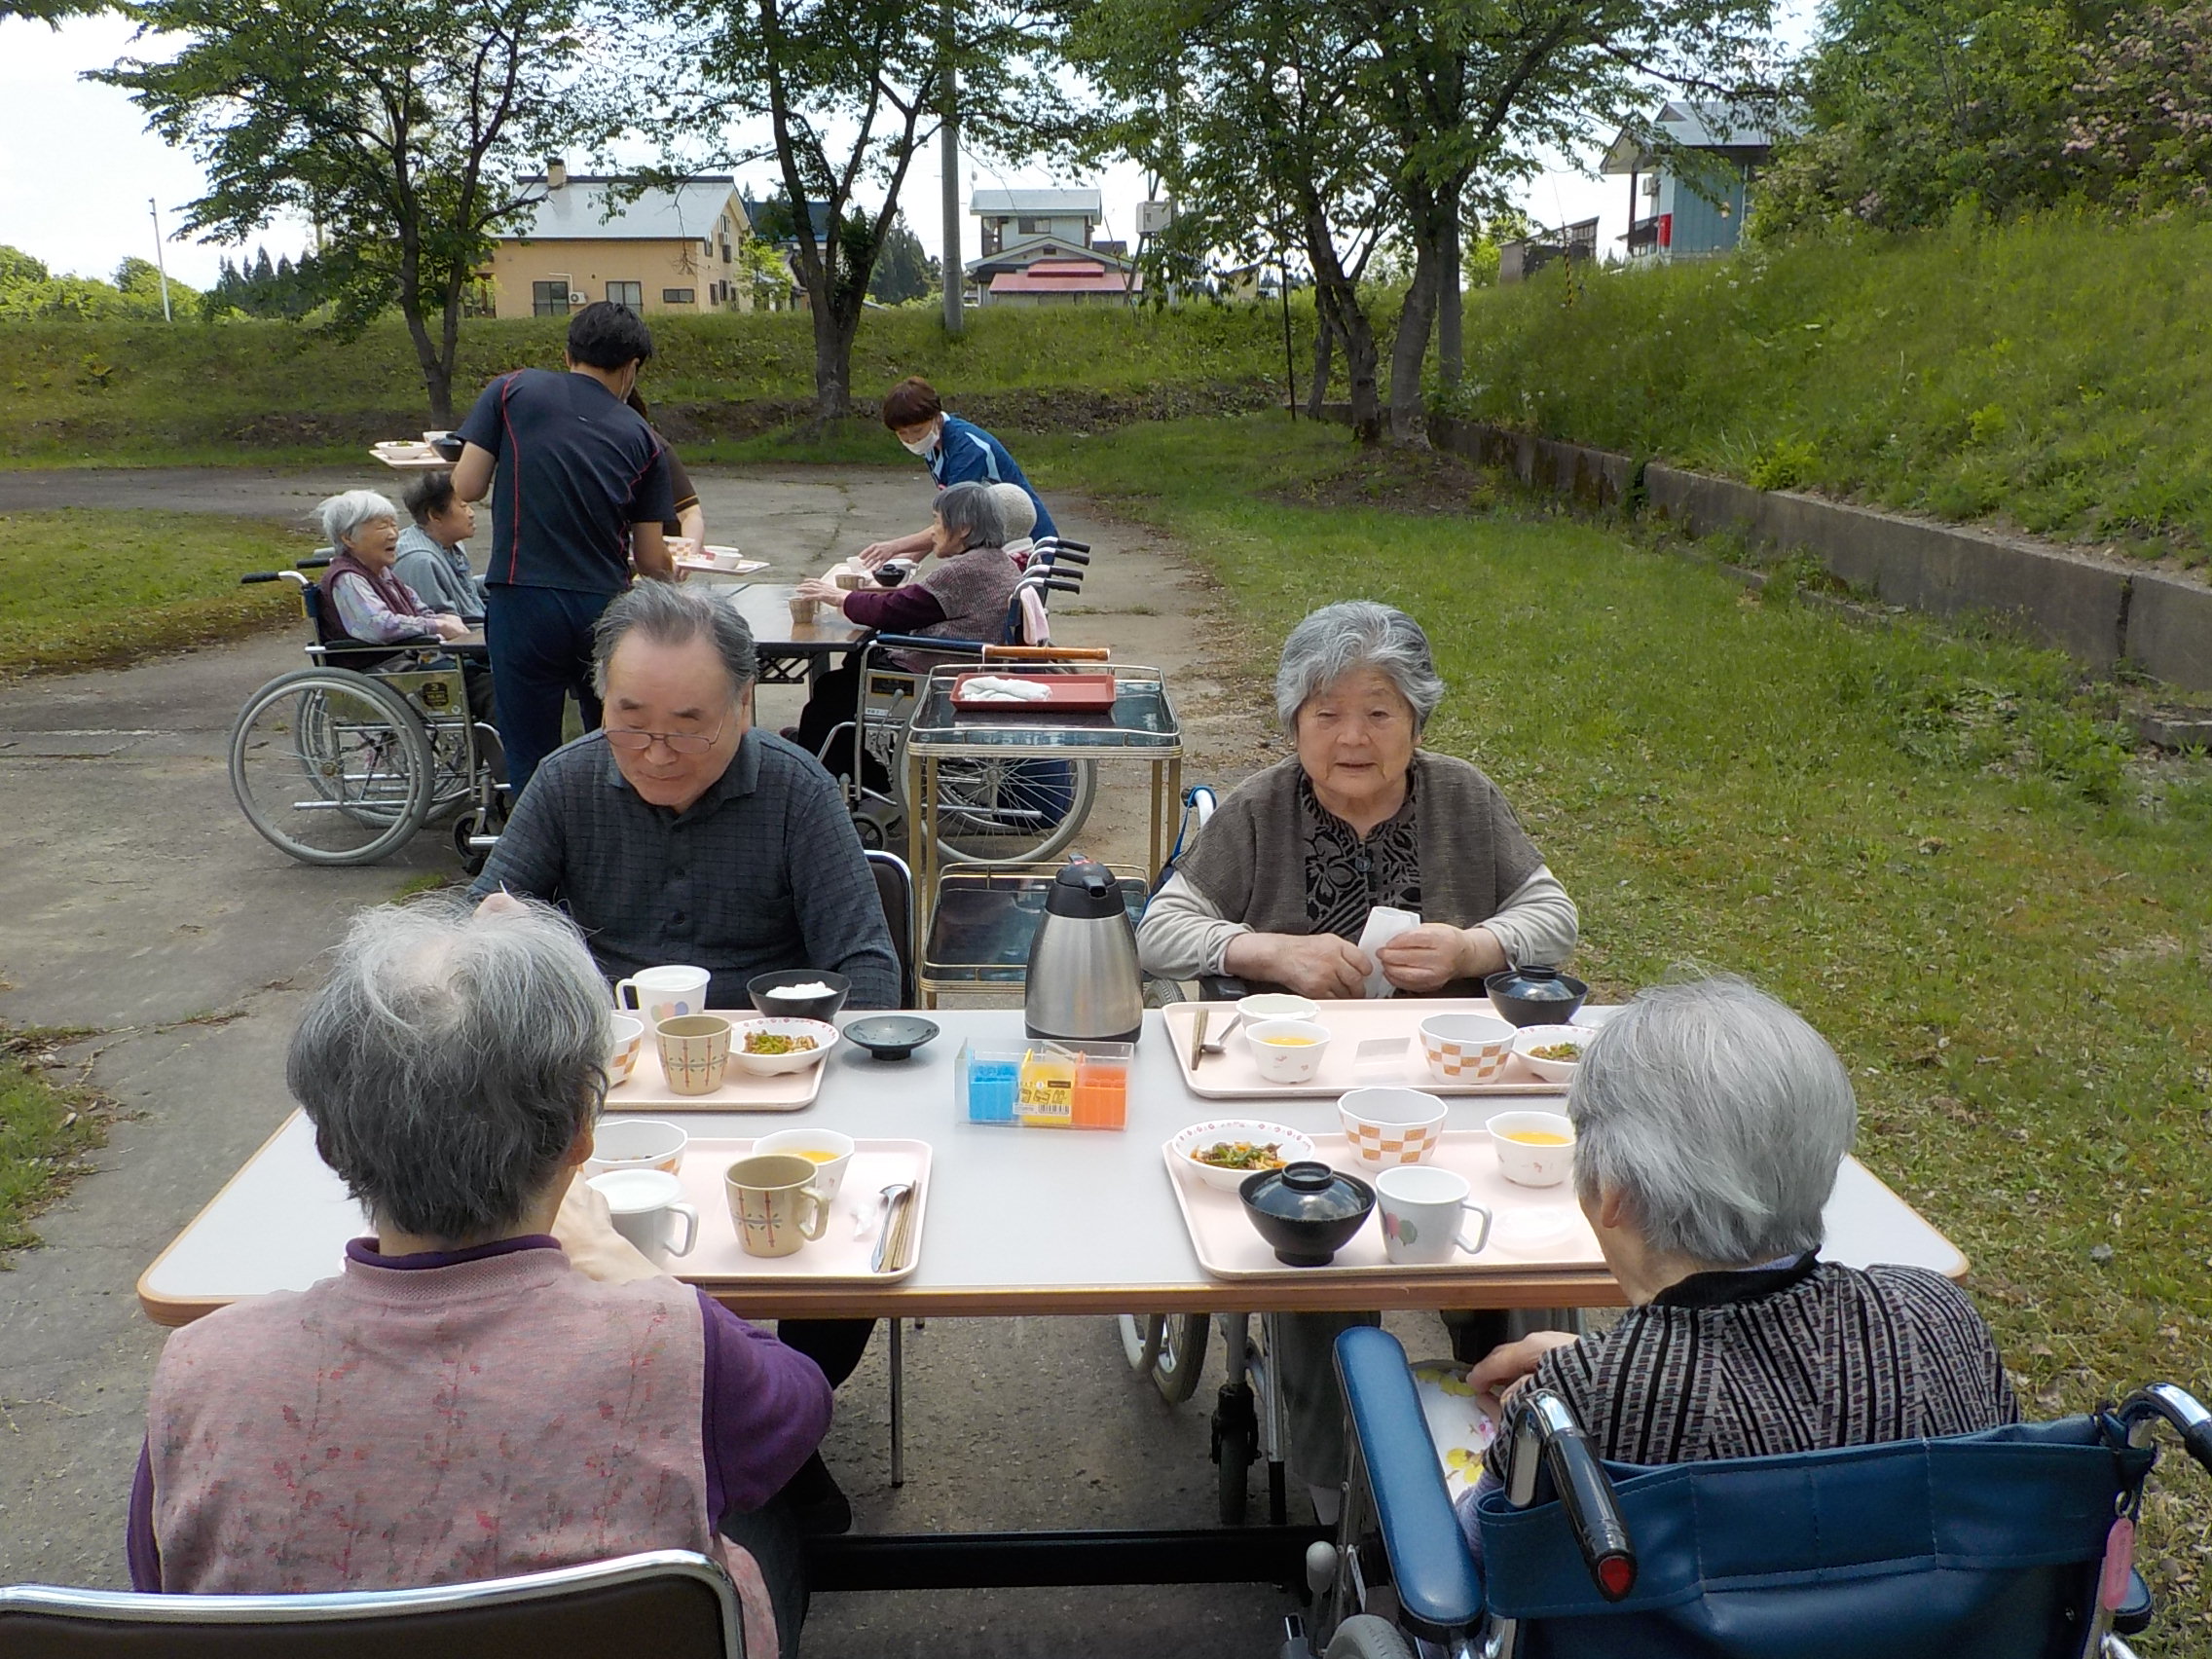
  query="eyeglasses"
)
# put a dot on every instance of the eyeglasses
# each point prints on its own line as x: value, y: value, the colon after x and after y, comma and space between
x: 679, y: 742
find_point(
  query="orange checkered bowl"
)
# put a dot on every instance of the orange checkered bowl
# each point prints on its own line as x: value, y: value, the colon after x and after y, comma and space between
x: 1466, y: 1047
x: 1391, y: 1126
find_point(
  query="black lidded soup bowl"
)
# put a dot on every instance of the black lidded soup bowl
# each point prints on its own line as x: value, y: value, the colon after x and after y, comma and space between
x: 1306, y: 1210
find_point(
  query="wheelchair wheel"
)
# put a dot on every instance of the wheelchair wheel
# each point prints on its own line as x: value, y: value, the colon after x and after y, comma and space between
x: 1363, y: 1635
x: 1182, y: 1356
x: 1002, y: 811
x: 331, y: 767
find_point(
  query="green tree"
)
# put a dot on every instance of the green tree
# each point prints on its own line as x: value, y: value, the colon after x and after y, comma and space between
x: 903, y: 270
x: 400, y: 126
x: 848, y: 91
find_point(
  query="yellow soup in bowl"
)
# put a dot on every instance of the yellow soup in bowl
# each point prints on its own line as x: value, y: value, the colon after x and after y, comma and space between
x: 1288, y: 1042
x: 1538, y: 1137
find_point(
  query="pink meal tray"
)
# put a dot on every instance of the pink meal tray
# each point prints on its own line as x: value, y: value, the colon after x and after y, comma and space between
x: 1233, y: 1074
x: 647, y: 1090
x: 841, y: 1255
x: 1533, y: 1227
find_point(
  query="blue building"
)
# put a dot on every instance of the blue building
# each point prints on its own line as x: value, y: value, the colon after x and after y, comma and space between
x: 1690, y: 173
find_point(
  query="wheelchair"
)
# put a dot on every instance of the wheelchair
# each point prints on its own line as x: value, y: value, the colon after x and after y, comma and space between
x: 347, y: 760
x: 990, y: 811
x: 2011, y: 1543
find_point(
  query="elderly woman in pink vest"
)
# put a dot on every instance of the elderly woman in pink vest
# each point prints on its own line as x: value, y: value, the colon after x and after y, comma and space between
x: 964, y: 595
x: 495, y: 1382
x: 364, y: 596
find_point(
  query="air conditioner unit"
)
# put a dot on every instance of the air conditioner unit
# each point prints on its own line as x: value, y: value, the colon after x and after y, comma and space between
x: 576, y: 296
x: 1651, y: 184
x: 1154, y: 217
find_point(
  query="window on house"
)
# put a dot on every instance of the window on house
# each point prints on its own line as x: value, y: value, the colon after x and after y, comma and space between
x: 1032, y: 227
x: 631, y: 294
x: 549, y: 299
x: 677, y: 296
x: 725, y: 253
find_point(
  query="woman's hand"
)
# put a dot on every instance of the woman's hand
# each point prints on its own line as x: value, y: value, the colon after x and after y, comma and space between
x: 1320, y: 966
x: 1507, y: 1366
x: 822, y: 590
x: 586, y: 1230
x: 875, y: 553
x: 450, y: 626
x: 1429, y: 957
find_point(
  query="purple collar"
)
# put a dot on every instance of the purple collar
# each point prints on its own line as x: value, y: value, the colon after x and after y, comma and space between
x: 364, y: 1252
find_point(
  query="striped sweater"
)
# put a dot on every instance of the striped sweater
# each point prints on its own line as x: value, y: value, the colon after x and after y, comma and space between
x: 1797, y: 1358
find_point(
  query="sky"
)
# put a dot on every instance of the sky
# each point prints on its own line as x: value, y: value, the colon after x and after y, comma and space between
x: 78, y: 169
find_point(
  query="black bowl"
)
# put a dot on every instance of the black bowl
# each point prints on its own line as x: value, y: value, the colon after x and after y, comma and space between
x: 891, y: 1036
x: 892, y: 571
x: 448, y: 449
x: 798, y: 1008
x: 1519, y: 994
x: 1307, y: 1211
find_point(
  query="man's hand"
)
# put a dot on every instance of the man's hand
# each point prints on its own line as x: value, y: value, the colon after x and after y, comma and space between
x: 1510, y: 1364
x: 586, y: 1232
x: 1429, y: 957
x: 1320, y: 966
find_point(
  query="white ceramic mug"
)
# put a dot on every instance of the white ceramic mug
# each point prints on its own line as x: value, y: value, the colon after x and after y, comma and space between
x: 1422, y: 1206
x: 663, y: 993
x: 830, y: 1154
x: 644, y: 1203
x: 636, y: 1143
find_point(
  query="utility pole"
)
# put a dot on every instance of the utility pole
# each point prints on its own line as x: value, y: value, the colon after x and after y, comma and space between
x: 955, y: 278
x: 159, y: 263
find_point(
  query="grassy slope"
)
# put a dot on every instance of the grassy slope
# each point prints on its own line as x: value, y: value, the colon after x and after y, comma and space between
x: 83, y: 392
x: 1898, y: 830
x: 102, y: 586
x: 2055, y: 373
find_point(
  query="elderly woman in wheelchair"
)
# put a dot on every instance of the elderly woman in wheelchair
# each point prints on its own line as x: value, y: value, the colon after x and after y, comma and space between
x: 1800, y: 1458
x: 367, y: 603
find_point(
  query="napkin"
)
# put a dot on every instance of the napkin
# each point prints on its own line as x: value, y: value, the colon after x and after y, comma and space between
x: 1001, y: 688
x: 1384, y: 923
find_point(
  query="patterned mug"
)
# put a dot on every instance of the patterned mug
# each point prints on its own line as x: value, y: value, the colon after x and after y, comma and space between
x: 774, y: 1205
x: 694, y: 1052
x: 663, y: 993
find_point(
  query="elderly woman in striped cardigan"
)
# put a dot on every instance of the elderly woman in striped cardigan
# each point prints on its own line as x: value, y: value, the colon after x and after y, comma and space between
x: 1710, y: 1123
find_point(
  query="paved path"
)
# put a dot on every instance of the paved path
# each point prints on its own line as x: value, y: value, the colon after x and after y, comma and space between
x: 134, y: 899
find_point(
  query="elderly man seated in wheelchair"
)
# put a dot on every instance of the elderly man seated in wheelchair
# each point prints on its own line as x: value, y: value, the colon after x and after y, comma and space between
x: 365, y: 602
x: 1737, y: 1406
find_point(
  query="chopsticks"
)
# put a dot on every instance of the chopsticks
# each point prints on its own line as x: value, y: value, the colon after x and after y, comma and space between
x: 1199, y: 1036
x: 898, y: 1217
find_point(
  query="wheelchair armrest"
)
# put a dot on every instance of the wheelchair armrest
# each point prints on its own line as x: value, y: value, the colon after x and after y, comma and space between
x: 2133, y: 1616
x: 931, y: 642
x: 1439, y: 1589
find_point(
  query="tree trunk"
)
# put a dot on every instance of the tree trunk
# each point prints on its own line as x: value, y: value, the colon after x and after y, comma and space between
x: 437, y: 366
x: 1325, y: 352
x: 1451, y: 315
x: 832, y: 360
x: 1357, y: 332
x: 1416, y: 322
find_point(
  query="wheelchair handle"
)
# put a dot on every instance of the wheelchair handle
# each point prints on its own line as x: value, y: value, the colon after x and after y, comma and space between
x: 2176, y: 1407
x: 1060, y: 546
x: 320, y: 562
x: 1544, y: 1420
x: 252, y: 576
x: 1073, y: 556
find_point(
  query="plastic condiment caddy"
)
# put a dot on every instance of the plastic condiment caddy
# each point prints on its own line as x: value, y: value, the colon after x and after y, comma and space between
x: 1046, y: 1085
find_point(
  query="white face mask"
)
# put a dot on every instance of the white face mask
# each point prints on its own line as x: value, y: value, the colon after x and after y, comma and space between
x: 920, y: 446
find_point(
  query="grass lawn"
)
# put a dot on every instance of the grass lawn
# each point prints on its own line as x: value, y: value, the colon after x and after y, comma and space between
x: 1933, y: 846
x: 96, y: 587
x: 43, y: 1129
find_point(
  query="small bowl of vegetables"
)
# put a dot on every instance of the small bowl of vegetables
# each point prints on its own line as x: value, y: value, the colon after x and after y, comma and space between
x: 769, y: 1047
x: 1553, y: 1051
x: 1225, y: 1151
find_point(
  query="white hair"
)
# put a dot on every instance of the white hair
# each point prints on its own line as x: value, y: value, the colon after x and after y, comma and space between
x: 451, y: 1060
x: 1337, y: 639
x: 344, y: 515
x: 1017, y: 513
x: 670, y: 615
x: 972, y: 508
x: 1720, y: 1114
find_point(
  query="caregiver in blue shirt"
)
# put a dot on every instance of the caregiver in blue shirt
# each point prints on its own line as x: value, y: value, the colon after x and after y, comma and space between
x: 956, y: 452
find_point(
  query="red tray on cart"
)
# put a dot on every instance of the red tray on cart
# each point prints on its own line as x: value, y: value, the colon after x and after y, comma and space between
x: 1069, y: 694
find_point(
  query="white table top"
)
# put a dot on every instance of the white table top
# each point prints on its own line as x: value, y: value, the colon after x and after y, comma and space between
x: 1021, y: 1221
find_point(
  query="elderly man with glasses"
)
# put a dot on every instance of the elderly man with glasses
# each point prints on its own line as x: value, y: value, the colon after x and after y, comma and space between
x: 680, y: 832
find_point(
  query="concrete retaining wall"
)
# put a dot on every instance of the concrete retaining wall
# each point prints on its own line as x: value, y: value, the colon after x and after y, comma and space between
x: 2098, y: 613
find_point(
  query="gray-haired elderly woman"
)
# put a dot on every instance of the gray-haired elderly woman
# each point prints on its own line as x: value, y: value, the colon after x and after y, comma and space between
x: 495, y: 1383
x: 963, y: 596
x: 371, y: 604
x: 1276, y: 889
x: 1710, y: 1123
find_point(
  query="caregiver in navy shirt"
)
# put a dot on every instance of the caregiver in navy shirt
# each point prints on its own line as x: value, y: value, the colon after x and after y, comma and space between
x: 956, y: 452
x: 580, y: 486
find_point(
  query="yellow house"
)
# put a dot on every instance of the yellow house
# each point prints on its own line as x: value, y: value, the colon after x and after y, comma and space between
x: 666, y: 251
